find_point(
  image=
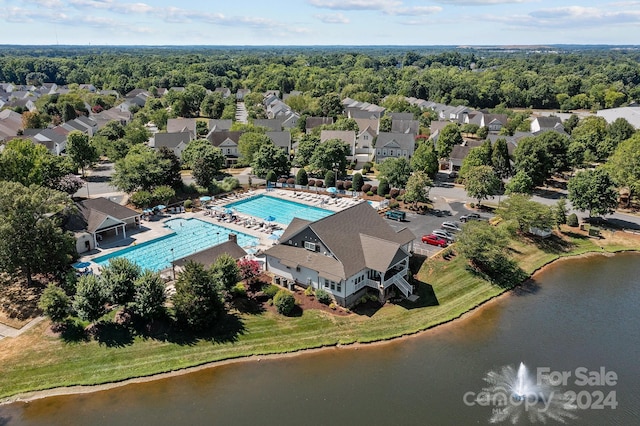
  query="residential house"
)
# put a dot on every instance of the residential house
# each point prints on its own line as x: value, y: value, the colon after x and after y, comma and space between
x: 346, y: 254
x: 405, y: 126
x: 346, y: 136
x: 10, y: 124
x: 394, y: 145
x: 401, y: 116
x: 281, y: 140
x: 177, y: 142
x: 121, y: 115
x: 25, y: 104
x: 313, y: 122
x: 493, y: 122
x: 356, y: 109
x: 630, y: 113
x: 241, y: 93
x: 218, y: 125
x: 54, y: 139
x: 273, y: 124
x: 83, y: 124
x: 176, y: 125
x: 224, y: 91
x: 365, y: 140
x: 544, y: 124
x: 99, y: 218
x: 227, y: 141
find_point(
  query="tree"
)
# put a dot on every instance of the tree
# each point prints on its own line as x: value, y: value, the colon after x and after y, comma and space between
x: 306, y: 147
x: 593, y: 190
x: 624, y: 165
x: 227, y: 270
x: 417, y: 188
x: 331, y: 105
x: 589, y: 134
x: 163, y: 194
x: 532, y: 158
x: 32, y: 120
x: 560, y: 212
x: 249, y: 143
x: 481, y: 183
x: 270, y: 157
x: 330, y: 179
x: 82, y: 153
x: 197, y: 301
x: 142, y: 168
x: 329, y: 155
x: 271, y: 176
x: 208, y: 166
x: 118, y: 279
x: 89, y: 300
x: 617, y: 131
x: 69, y: 184
x: 526, y: 213
x: 571, y: 123
x: 28, y: 163
x: 396, y: 171
x: 55, y: 303
x: 249, y: 270
x: 194, y: 150
x: 173, y: 178
x: 521, y: 183
x: 425, y: 159
x: 448, y: 138
x: 357, y: 182
x: 31, y: 239
x: 477, y: 156
x: 302, y: 178
x: 149, y: 297
x: 500, y: 159
x: 383, y: 187
x: 482, y: 244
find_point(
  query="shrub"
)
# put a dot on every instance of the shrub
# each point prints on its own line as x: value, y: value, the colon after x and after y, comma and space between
x: 340, y: 185
x: 374, y: 189
x: 301, y: 177
x: 333, y: 306
x: 284, y: 301
x: 365, y: 188
x: 291, y: 181
x: 387, y: 197
x: 370, y: 193
x: 319, y: 184
x: 238, y: 290
x: 394, y: 193
x: 55, y: 303
x: 311, y: 182
x: 188, y: 204
x: 323, y: 296
x: 308, y: 291
x: 271, y: 290
x: 330, y: 178
x: 271, y: 176
x: 282, y: 180
x: 229, y: 184
x: 358, y: 182
x: 472, y: 205
x: 394, y: 205
x: 572, y: 220
x: 383, y: 187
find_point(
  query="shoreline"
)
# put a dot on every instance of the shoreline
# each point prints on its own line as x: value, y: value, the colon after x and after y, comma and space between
x: 85, y: 389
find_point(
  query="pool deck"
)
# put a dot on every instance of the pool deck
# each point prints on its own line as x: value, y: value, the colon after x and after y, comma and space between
x: 153, y: 229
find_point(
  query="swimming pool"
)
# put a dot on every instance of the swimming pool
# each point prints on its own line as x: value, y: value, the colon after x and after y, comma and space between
x: 283, y: 211
x: 189, y: 236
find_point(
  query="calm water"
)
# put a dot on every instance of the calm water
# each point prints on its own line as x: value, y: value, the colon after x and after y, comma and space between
x: 189, y: 236
x: 282, y: 211
x: 581, y: 313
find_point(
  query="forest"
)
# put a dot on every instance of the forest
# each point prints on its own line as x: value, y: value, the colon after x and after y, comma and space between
x: 556, y: 77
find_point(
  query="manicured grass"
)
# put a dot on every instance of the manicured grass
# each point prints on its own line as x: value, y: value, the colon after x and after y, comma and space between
x: 37, y: 361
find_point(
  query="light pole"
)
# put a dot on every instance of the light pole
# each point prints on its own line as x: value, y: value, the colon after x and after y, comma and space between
x: 173, y: 264
x: 335, y: 168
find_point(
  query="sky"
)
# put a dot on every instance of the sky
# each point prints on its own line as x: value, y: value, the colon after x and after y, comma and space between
x: 319, y: 22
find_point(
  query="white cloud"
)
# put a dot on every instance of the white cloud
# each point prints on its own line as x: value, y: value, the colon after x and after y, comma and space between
x: 414, y: 11
x: 336, y: 18
x: 50, y: 4
x: 481, y: 2
x: 20, y: 15
x: 356, y: 4
x: 112, y: 6
x: 569, y: 17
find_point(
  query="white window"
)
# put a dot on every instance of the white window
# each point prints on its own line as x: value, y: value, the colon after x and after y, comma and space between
x: 365, y: 137
x: 390, y: 153
x: 310, y: 246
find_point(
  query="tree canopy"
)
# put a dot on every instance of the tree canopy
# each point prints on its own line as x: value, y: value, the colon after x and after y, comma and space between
x: 593, y: 190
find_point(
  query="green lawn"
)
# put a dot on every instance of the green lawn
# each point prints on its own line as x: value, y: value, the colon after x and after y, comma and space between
x: 37, y: 360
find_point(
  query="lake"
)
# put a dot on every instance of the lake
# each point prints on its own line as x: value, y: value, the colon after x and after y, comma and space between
x: 577, y: 317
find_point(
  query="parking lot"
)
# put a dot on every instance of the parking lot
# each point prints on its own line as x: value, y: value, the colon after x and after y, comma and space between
x: 423, y: 224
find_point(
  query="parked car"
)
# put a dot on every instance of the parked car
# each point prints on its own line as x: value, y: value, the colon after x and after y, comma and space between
x: 434, y: 240
x: 443, y: 234
x: 451, y: 226
x: 471, y: 216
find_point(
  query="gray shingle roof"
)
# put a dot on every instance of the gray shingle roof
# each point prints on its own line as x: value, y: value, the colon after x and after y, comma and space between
x: 208, y: 256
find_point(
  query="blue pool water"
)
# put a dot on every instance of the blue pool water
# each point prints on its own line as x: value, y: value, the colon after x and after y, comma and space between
x: 189, y: 236
x: 262, y: 206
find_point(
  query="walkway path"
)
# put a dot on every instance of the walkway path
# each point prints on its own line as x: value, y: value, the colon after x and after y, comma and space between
x: 241, y: 113
x: 6, y: 331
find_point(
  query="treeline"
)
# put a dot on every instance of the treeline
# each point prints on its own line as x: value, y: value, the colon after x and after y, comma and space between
x: 572, y: 79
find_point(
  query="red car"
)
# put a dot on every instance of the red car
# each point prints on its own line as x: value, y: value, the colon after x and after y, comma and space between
x: 434, y: 240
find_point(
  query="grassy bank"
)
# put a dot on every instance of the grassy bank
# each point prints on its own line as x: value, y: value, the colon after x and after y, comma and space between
x: 37, y: 360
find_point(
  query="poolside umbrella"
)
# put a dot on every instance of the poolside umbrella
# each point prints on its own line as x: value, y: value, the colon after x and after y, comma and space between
x: 160, y: 207
x: 205, y: 198
x: 81, y: 265
x: 332, y: 190
x: 147, y: 211
x: 269, y: 218
x: 228, y: 211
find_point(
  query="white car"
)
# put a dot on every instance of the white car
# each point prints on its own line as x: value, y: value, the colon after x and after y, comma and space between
x: 444, y: 234
x: 450, y: 226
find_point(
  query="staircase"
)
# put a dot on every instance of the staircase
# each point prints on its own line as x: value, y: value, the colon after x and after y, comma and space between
x: 402, y: 284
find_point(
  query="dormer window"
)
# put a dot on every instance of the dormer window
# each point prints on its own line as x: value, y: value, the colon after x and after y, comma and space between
x: 310, y: 246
